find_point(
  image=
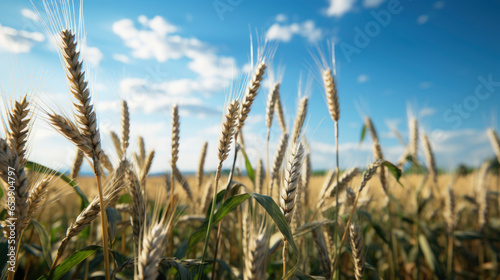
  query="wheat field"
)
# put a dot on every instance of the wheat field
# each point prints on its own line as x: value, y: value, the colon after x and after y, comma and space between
x: 276, y: 219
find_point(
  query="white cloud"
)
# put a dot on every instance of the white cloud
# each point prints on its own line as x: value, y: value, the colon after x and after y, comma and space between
x: 30, y: 14
x: 438, y: 5
x: 338, y: 8
x: 306, y: 29
x: 422, y: 19
x: 150, y: 97
x: 18, y: 41
x: 363, y: 78
x: 372, y: 3
x: 281, y: 18
x: 426, y: 111
x: 121, y: 57
x: 92, y: 55
x: 157, y: 41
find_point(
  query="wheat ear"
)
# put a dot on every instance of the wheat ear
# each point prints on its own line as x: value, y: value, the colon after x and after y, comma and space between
x: 430, y: 160
x: 377, y: 152
x: 299, y: 120
x: 330, y: 176
x: 280, y: 113
x: 86, y: 119
x: 138, y: 205
x: 347, y: 176
x: 207, y: 195
x: 184, y: 184
x: 320, y: 243
x: 306, y: 175
x: 141, y: 156
x: 125, y: 127
x: 258, y: 255
x: 36, y: 197
x: 13, y: 174
x: 259, y: 177
x: 225, y: 139
x: 413, y: 137
x: 367, y: 175
x: 70, y: 131
x: 77, y: 164
x: 151, y: 250
x: 271, y: 100
x: 117, y: 144
x: 331, y: 95
x: 251, y: 93
x: 84, y: 219
x: 201, y: 165
x: 278, y: 160
x: 357, y: 251
x: 289, y: 189
x: 19, y: 123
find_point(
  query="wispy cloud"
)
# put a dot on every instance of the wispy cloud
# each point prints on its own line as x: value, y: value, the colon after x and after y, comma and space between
x: 285, y: 32
x: 30, y: 14
x: 338, y: 8
x: 422, y: 19
x: 18, y: 41
x: 363, y: 78
x: 370, y: 4
x: 121, y: 57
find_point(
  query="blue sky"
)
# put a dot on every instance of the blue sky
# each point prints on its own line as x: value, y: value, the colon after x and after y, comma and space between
x: 434, y: 60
